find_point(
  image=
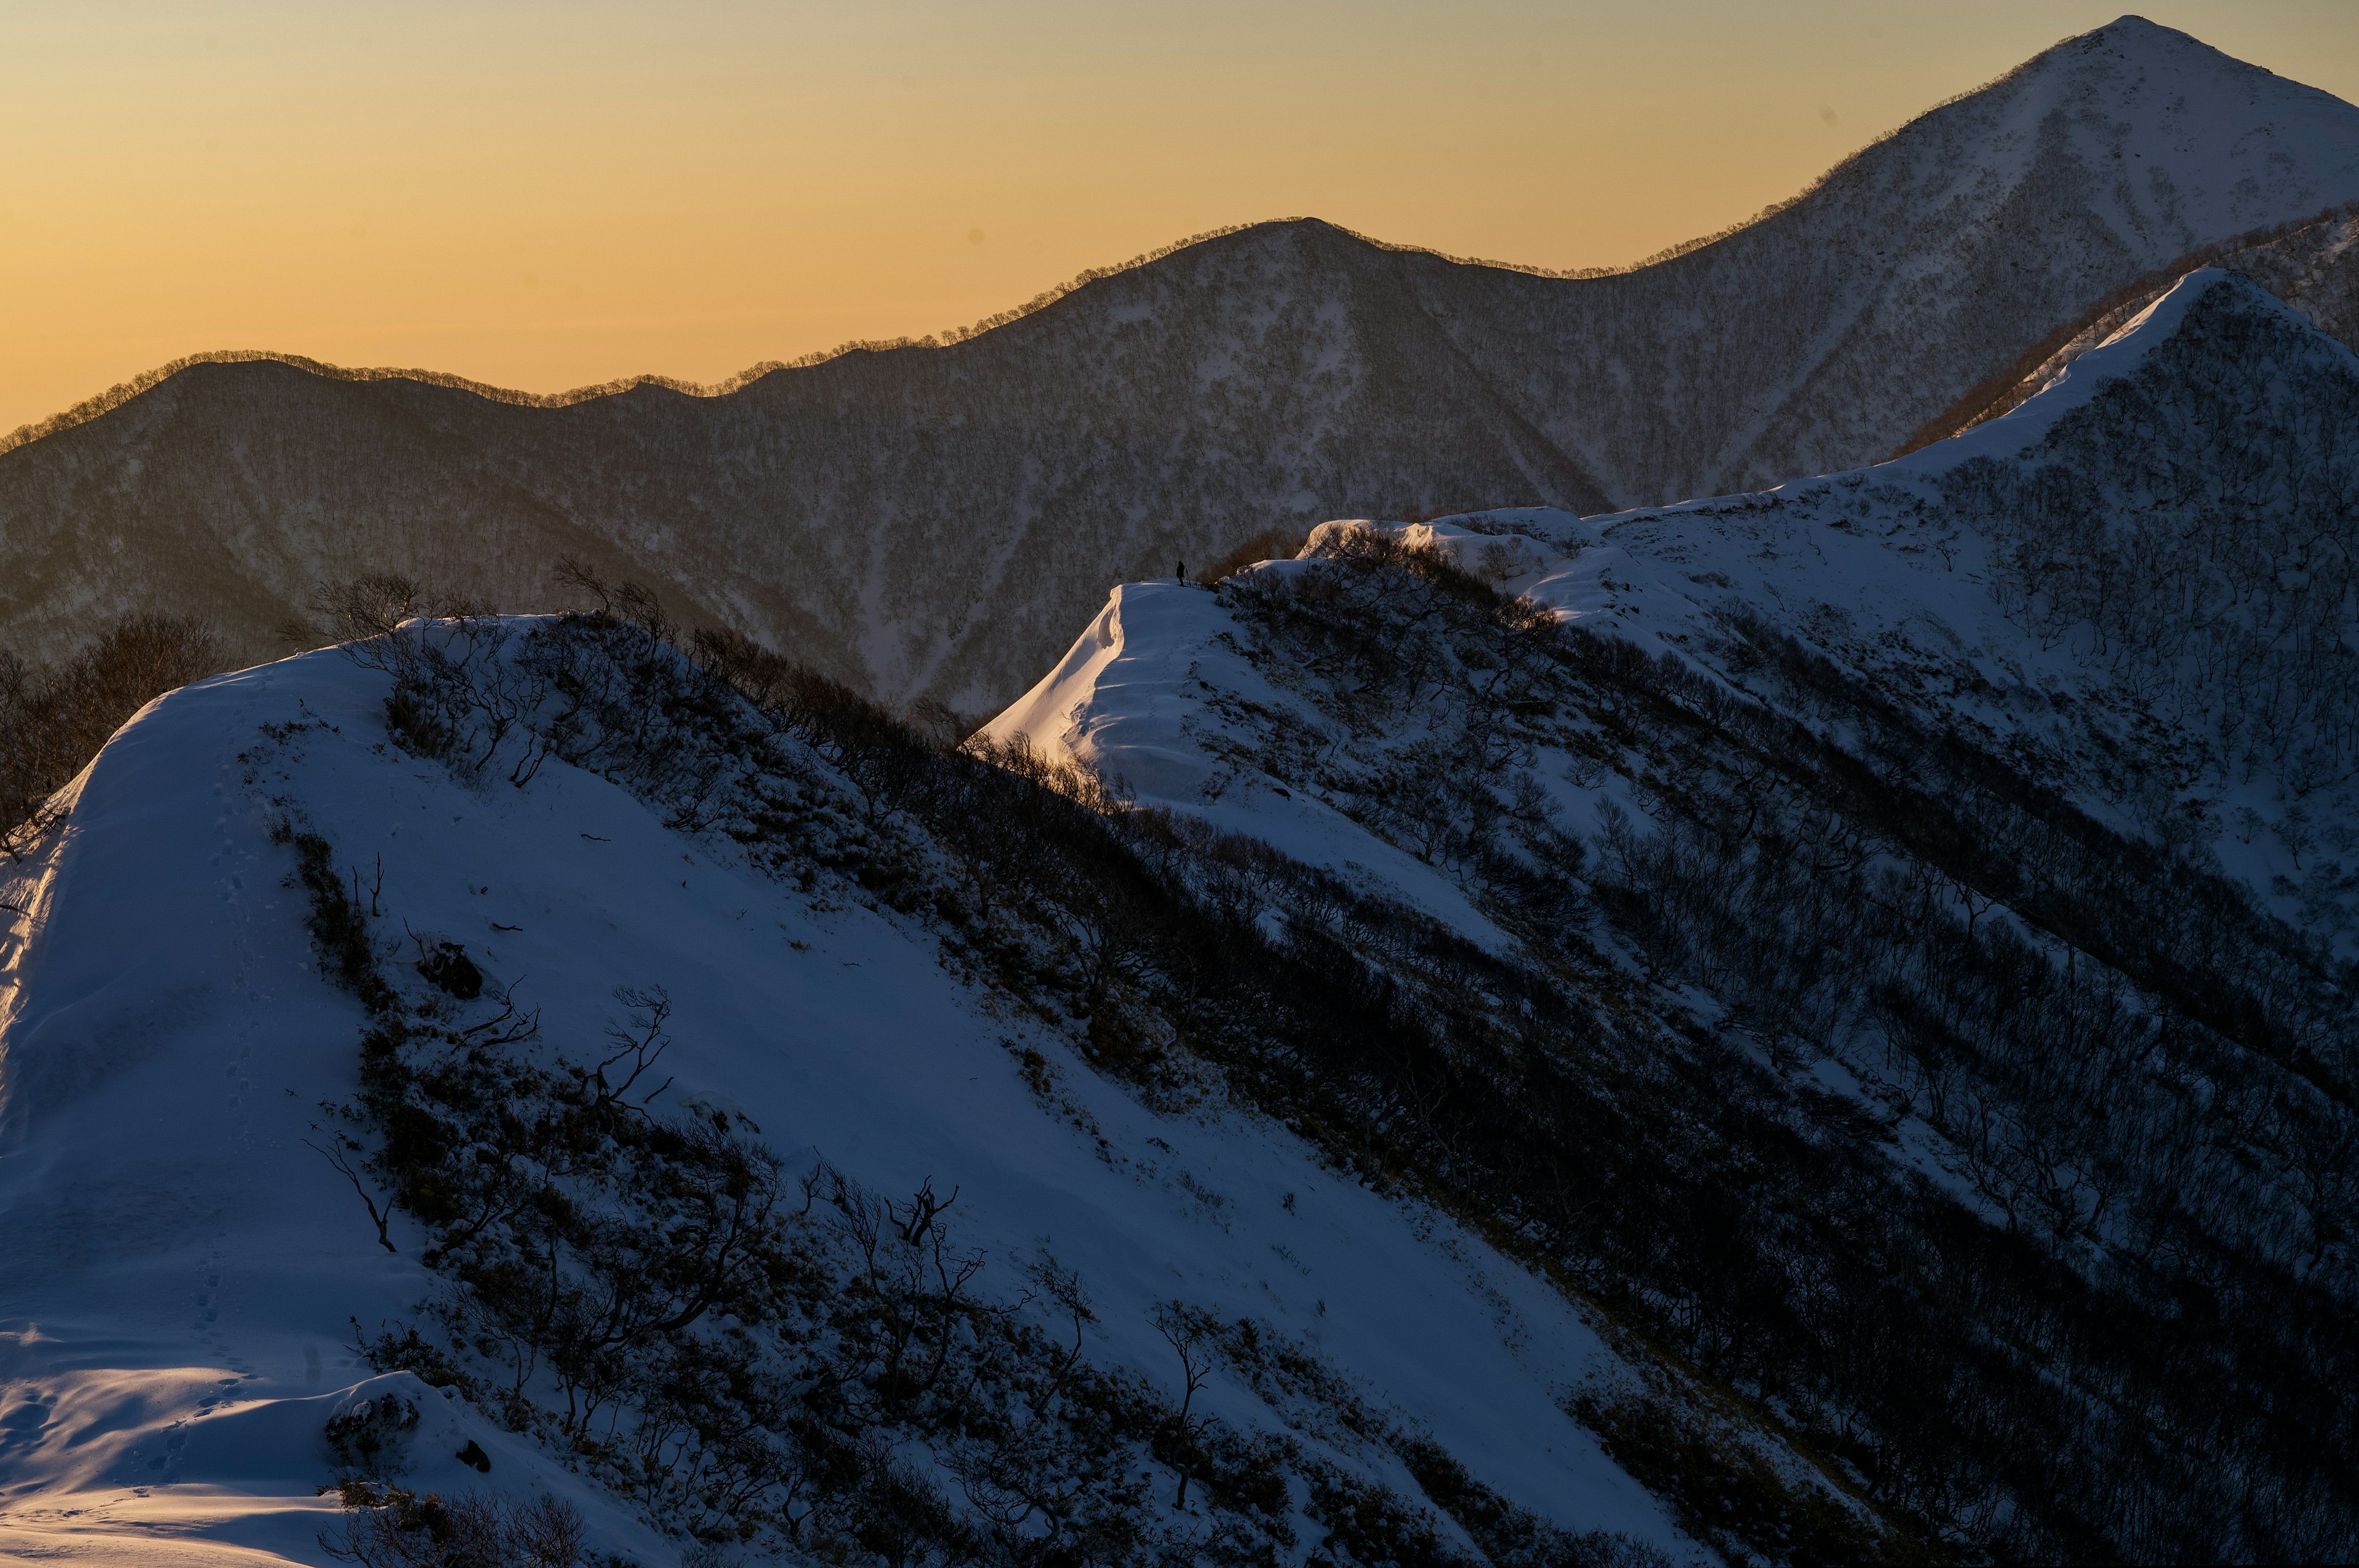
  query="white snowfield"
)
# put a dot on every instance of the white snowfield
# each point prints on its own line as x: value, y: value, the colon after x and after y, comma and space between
x: 181, y: 1271
x: 1868, y: 566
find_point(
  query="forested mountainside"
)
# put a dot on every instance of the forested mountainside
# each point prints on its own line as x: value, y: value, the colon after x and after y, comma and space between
x: 931, y: 521
x: 1951, y: 866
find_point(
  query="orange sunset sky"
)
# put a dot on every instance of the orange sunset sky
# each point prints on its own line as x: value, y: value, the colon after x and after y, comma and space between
x: 542, y: 196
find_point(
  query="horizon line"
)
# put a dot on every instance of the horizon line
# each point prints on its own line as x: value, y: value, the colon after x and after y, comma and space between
x: 100, y: 404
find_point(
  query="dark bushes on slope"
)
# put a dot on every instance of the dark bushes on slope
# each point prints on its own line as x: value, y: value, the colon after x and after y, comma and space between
x: 2195, y: 530
x: 391, y: 1527
x: 773, y: 1355
x: 757, y: 1354
x: 1993, y: 1387
x: 2150, y: 1085
x: 2189, y: 1161
x: 1416, y: 1067
x: 53, y: 722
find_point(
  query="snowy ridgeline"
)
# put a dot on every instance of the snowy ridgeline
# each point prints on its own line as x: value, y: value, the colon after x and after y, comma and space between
x: 935, y: 521
x: 869, y: 1260
x: 2000, y: 798
x: 1810, y: 1026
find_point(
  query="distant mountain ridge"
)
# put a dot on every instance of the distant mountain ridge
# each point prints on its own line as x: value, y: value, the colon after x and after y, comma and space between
x: 931, y: 521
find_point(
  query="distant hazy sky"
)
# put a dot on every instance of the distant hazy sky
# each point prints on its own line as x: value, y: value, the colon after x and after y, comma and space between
x: 544, y: 195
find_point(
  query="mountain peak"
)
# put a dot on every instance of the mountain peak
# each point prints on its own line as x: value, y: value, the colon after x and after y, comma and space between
x: 2131, y: 29
x: 2136, y: 37
x: 2148, y: 45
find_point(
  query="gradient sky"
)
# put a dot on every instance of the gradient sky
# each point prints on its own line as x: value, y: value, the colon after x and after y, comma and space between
x: 543, y: 196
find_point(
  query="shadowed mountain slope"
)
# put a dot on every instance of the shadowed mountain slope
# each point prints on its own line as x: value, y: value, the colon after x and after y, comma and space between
x: 2001, y: 802
x: 895, y: 516
x: 2314, y: 267
x: 931, y: 520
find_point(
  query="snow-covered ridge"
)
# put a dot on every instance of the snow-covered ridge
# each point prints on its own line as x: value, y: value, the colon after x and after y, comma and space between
x: 2121, y: 354
x: 2312, y: 266
x: 1642, y: 849
x: 2072, y: 697
x: 1898, y: 563
x: 181, y: 1265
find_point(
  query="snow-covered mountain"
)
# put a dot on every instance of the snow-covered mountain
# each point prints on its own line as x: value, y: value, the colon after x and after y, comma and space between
x: 1808, y: 1026
x: 932, y: 521
x: 2005, y: 795
x: 292, y: 966
x: 1822, y: 336
x: 1813, y: 1025
x: 2314, y: 267
x: 2140, y: 584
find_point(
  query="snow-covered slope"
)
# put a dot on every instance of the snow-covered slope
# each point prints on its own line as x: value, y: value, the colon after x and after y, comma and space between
x: 2141, y: 581
x: 934, y: 521
x: 184, y: 1272
x: 2011, y: 789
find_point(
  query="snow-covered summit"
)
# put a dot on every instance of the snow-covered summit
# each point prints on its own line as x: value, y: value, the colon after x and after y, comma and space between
x: 2132, y: 91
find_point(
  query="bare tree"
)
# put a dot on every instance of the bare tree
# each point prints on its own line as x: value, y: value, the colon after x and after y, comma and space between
x: 1187, y: 1331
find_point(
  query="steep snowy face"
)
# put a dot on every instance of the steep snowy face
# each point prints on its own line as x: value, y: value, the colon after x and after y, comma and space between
x: 563, y: 1081
x: 2005, y: 792
x: 933, y: 522
x: 2175, y: 515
